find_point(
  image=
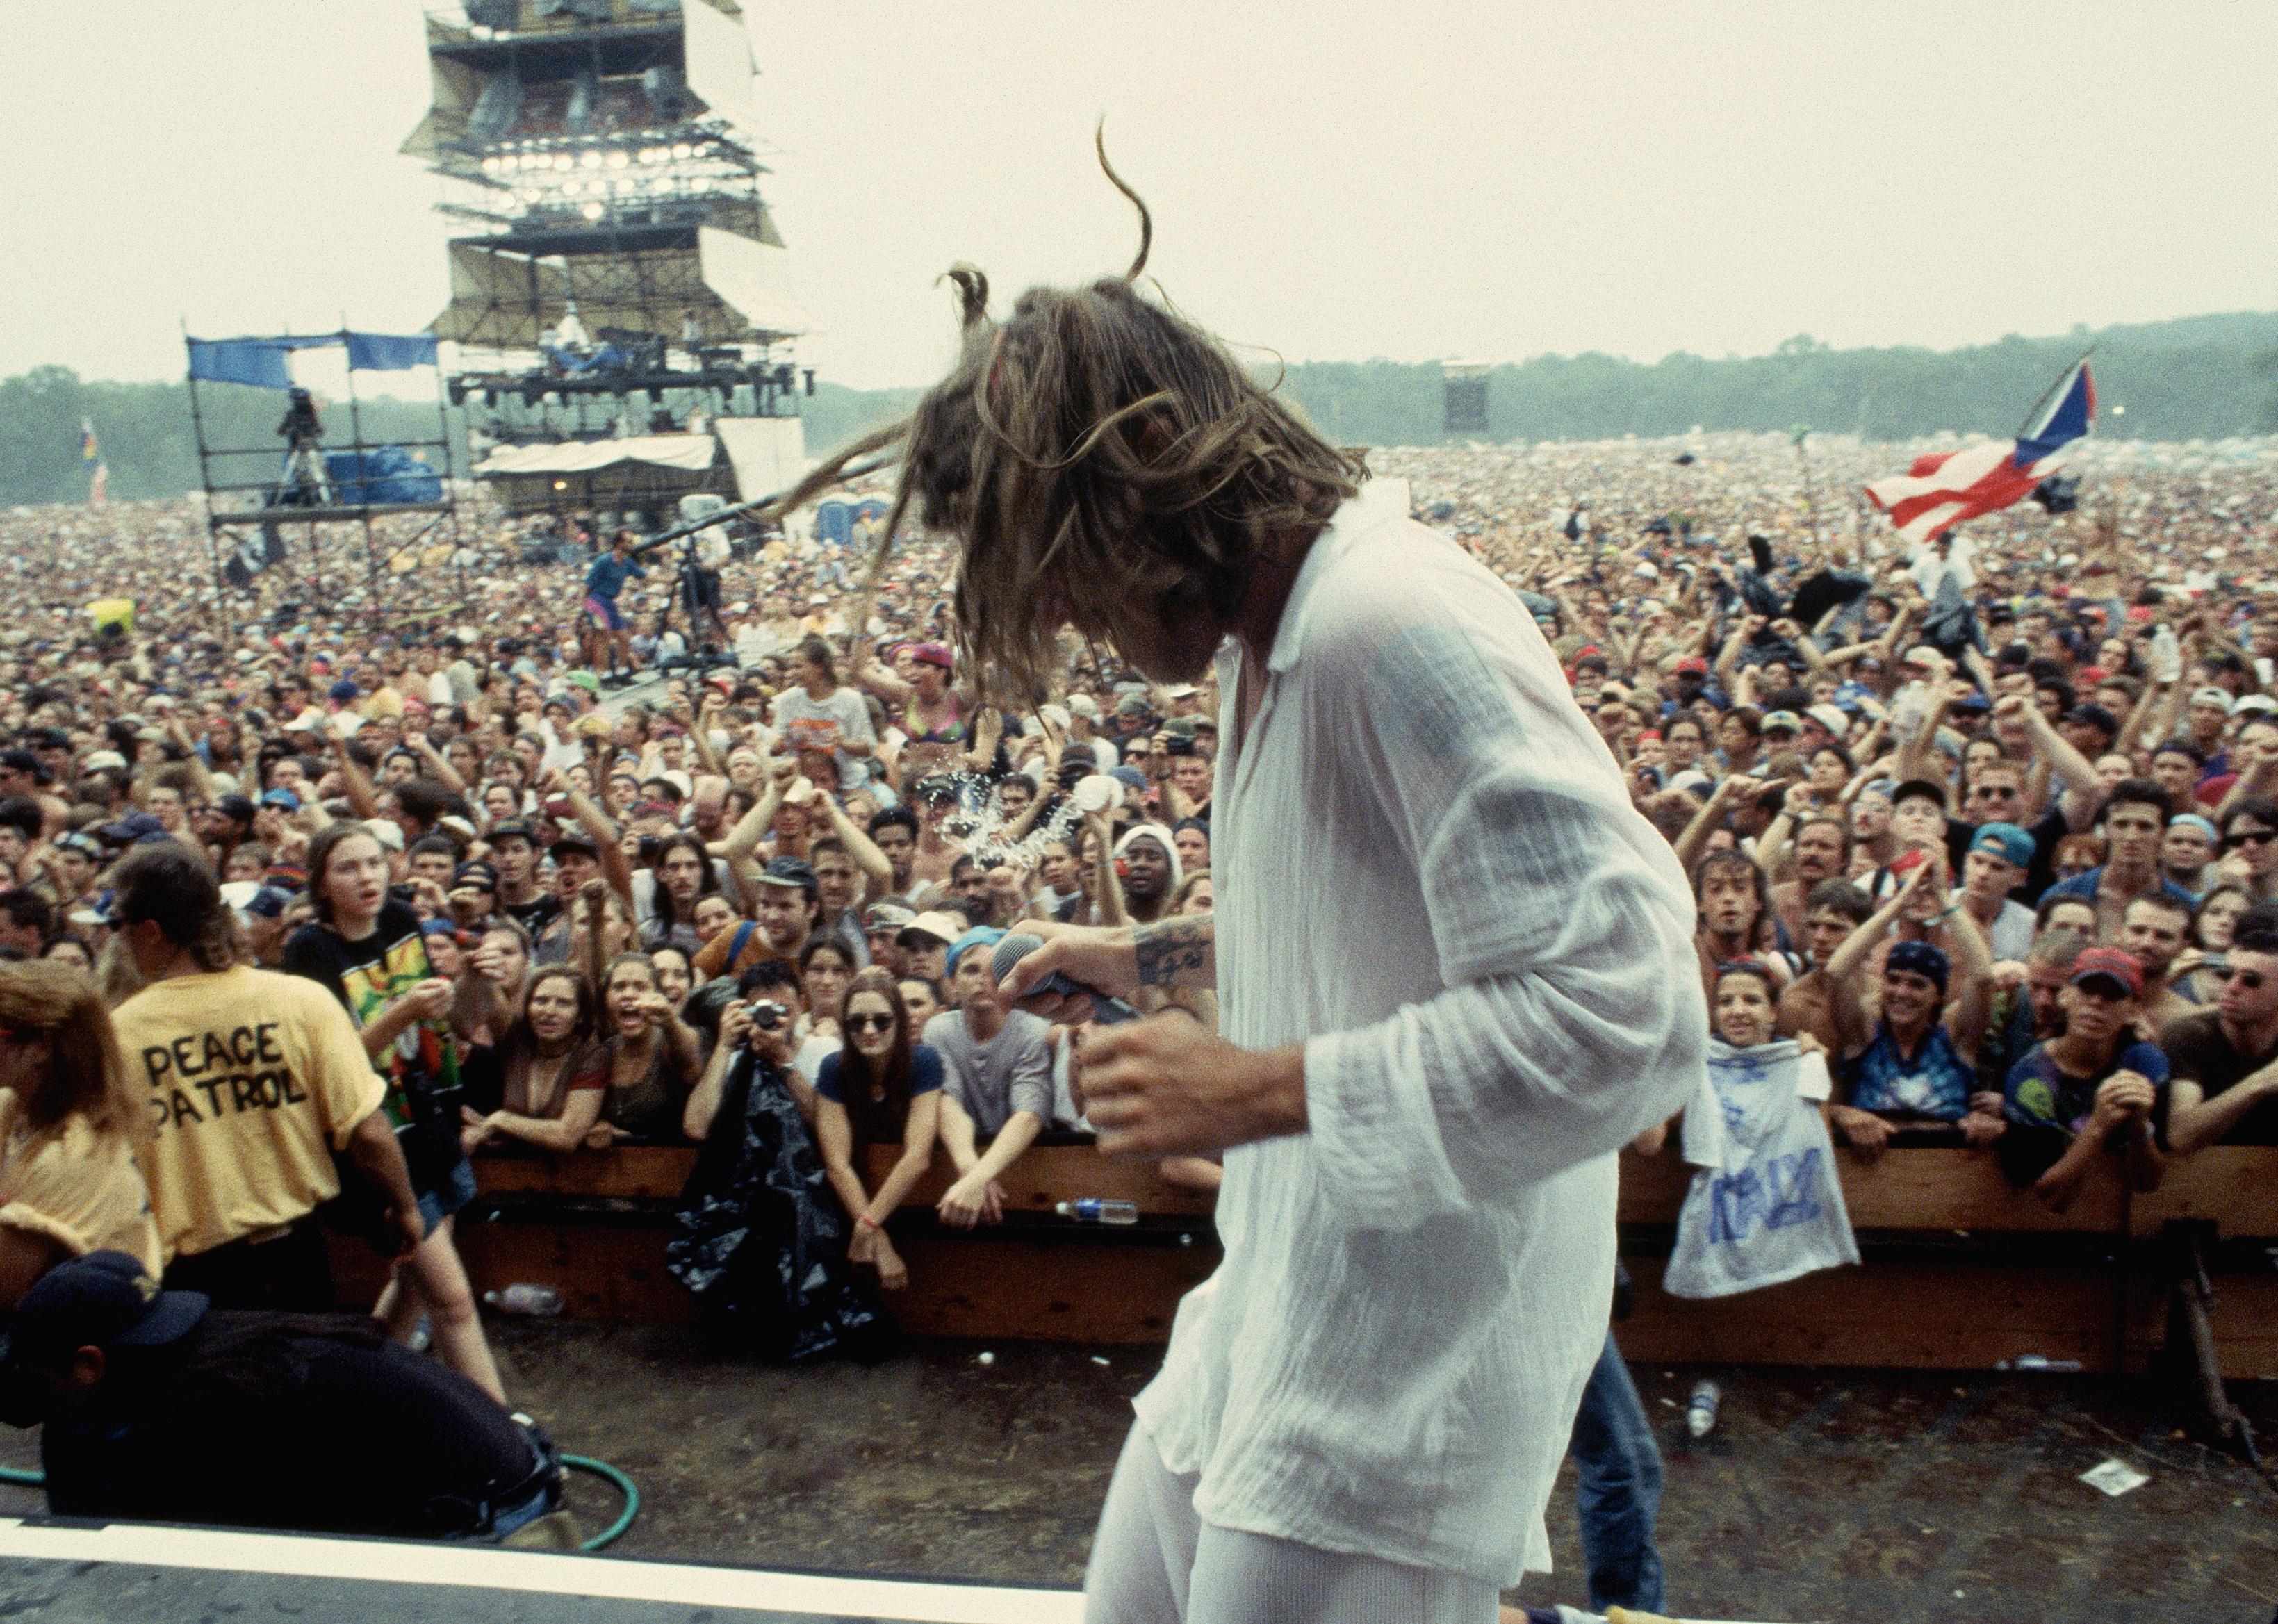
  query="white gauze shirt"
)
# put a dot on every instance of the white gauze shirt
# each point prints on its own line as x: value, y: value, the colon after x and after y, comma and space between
x: 1431, y: 875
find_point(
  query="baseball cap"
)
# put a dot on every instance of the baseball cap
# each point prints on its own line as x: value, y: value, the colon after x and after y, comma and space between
x: 268, y: 903
x: 133, y: 829
x: 103, y: 1299
x: 2109, y: 965
x: 105, y: 760
x: 585, y: 679
x: 25, y: 761
x: 1785, y: 721
x: 1832, y: 718
x: 513, y: 828
x: 574, y: 839
x: 234, y: 807
x: 2095, y: 716
x: 789, y: 872
x: 386, y: 831
x: 939, y: 927
x: 1920, y: 790
x: 933, y: 654
x: 1131, y: 777
x: 1693, y: 664
x: 343, y: 692
x: 2212, y: 696
x: 2005, y: 840
x: 978, y: 936
x: 477, y: 873
x: 2253, y: 705
x: 888, y: 916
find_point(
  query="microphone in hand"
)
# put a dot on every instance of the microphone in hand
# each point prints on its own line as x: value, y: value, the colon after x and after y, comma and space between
x: 1015, y: 947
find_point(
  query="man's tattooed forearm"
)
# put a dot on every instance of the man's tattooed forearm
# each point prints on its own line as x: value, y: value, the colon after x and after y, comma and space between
x: 1175, y: 952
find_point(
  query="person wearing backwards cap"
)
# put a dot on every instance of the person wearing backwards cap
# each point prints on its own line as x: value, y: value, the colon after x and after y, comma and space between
x: 2089, y: 1093
x: 998, y: 1086
x: 1912, y: 1064
x: 153, y: 1405
x: 1999, y: 854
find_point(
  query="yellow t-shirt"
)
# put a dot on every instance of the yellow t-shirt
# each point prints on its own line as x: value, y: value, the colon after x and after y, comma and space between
x: 254, y: 1080
x: 77, y: 1188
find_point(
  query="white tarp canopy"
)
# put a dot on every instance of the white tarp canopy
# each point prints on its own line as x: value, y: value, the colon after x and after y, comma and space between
x: 767, y: 453
x: 690, y: 453
x: 748, y: 276
x: 718, y: 52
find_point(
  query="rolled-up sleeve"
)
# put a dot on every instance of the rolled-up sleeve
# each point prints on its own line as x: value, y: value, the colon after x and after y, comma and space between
x: 1572, y: 1017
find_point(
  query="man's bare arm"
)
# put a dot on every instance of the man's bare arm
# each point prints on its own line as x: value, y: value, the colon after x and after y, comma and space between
x: 1178, y: 951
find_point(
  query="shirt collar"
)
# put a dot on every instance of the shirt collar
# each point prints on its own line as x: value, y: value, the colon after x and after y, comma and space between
x: 1380, y: 503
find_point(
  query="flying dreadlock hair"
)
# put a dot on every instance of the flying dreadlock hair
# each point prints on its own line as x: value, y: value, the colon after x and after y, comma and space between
x: 1097, y: 449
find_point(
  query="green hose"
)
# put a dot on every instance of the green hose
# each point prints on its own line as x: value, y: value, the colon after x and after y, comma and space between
x: 623, y: 1485
x: 582, y: 1463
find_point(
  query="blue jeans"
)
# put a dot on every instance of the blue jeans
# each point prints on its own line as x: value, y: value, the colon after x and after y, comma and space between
x: 1618, y: 1494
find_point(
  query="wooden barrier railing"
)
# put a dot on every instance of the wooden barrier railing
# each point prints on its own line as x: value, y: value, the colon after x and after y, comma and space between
x: 1961, y: 1271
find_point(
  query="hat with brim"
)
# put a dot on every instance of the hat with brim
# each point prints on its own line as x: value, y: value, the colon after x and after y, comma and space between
x: 2110, y: 966
x: 103, y: 1299
x: 931, y: 930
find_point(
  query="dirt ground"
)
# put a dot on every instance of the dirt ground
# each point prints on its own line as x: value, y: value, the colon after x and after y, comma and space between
x: 1894, y: 1498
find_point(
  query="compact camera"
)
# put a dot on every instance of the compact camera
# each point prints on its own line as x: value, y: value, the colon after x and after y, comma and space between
x: 766, y: 1015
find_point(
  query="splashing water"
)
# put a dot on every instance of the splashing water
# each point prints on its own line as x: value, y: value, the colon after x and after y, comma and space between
x: 986, y: 832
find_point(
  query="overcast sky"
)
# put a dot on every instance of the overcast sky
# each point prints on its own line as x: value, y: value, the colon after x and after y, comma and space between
x: 1335, y: 181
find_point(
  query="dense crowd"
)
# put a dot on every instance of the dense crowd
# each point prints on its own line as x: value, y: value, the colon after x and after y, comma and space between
x: 1987, y: 827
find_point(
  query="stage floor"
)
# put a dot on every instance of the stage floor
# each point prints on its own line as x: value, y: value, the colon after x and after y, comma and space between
x: 1883, y: 1497
x: 68, y: 1572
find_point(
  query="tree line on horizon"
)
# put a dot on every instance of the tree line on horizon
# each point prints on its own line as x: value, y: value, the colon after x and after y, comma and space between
x: 2195, y: 378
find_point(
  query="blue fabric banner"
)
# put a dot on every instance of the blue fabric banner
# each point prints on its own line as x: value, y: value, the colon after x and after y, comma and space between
x: 382, y: 352
x: 259, y: 362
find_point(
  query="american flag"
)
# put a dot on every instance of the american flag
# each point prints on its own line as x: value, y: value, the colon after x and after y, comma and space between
x: 1942, y: 489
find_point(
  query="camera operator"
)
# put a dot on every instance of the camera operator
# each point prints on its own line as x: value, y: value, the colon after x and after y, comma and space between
x: 759, y: 1240
x: 153, y: 1406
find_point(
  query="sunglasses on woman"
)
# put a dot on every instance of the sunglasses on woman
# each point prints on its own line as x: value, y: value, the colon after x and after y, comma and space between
x: 2250, y: 837
x: 870, y: 1023
x: 2251, y: 979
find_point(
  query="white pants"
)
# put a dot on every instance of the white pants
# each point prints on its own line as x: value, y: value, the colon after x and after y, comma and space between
x: 1154, y: 1561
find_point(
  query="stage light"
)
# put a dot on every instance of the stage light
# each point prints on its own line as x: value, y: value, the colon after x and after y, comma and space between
x: 570, y: 188
x: 562, y: 160
x: 591, y: 158
x: 619, y: 160
x: 681, y: 149
x: 490, y: 166
x: 530, y: 195
x: 592, y: 211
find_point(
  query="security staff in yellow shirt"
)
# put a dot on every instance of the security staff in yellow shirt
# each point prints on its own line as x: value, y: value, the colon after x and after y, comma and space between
x: 253, y: 1080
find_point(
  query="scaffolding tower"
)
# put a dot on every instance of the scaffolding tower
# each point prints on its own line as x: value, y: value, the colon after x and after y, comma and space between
x: 291, y: 502
x: 617, y: 297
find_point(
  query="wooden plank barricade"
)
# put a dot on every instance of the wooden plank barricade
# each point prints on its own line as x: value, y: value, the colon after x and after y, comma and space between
x: 1961, y: 1270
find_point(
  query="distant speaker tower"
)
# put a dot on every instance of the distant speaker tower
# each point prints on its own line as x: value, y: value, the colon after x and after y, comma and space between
x: 1464, y: 399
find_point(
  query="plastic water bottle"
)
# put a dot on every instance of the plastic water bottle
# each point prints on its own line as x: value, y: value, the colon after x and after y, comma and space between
x: 1700, y: 1415
x: 2167, y: 653
x: 531, y: 1302
x: 1096, y: 1209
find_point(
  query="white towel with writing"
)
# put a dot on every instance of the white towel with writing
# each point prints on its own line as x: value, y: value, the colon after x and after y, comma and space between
x: 1765, y: 1204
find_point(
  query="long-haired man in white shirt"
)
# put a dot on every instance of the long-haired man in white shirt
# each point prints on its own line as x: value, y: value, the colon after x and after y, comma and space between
x: 1453, y: 965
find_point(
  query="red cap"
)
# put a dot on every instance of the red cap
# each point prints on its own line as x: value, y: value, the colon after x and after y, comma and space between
x: 1693, y: 664
x: 2112, y: 965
